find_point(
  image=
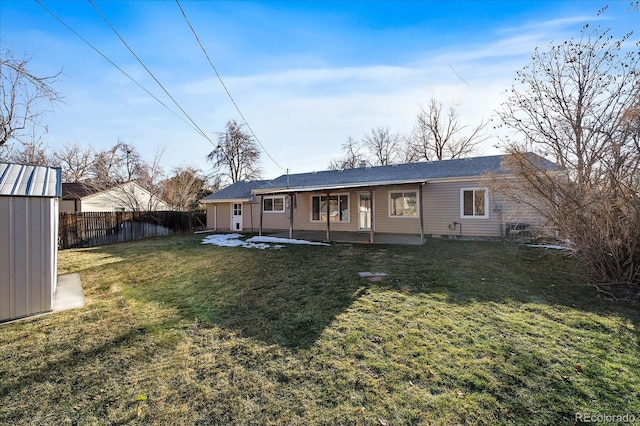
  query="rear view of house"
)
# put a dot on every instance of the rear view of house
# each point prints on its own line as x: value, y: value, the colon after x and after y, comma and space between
x: 438, y: 198
x: 29, y: 198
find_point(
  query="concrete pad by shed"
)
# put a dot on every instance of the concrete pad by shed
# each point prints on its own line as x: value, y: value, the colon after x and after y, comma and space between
x: 69, y: 293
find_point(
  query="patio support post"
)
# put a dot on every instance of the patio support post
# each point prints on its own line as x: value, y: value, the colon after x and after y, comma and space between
x: 328, y: 217
x: 261, y: 211
x: 371, y: 216
x: 291, y: 216
x: 421, y: 213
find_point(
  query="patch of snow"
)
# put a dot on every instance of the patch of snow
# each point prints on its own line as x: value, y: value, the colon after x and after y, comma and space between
x: 372, y: 274
x: 233, y: 240
x: 284, y: 241
x: 549, y: 246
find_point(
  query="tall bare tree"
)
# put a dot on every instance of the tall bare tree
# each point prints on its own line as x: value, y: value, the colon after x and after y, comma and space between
x: 32, y: 152
x: 382, y: 145
x: 75, y: 161
x: 439, y: 135
x: 118, y: 164
x: 22, y: 95
x: 352, y: 151
x: 578, y: 103
x: 237, y: 156
x: 185, y: 188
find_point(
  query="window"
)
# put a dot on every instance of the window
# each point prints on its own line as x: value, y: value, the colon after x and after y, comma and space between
x: 338, y: 208
x: 474, y: 202
x: 403, y: 204
x: 273, y: 204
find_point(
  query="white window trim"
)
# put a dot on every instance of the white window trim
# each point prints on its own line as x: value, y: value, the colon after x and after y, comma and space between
x: 486, y: 202
x: 331, y: 195
x: 402, y: 191
x: 284, y: 207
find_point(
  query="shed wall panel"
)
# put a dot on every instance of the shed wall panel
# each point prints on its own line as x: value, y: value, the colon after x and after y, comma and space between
x: 28, y: 253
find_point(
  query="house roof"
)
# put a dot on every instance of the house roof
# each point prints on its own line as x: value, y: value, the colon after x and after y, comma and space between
x: 77, y: 190
x: 240, y: 190
x: 370, y: 176
x: 30, y: 181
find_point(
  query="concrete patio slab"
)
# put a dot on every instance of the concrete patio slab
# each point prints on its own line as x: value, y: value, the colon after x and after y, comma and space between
x: 352, y: 237
x: 69, y: 293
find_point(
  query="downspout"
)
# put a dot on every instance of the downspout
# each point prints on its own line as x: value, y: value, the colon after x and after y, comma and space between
x: 215, y: 217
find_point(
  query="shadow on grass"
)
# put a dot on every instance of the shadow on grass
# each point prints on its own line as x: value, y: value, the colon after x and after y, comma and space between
x: 289, y: 296
x: 453, y: 324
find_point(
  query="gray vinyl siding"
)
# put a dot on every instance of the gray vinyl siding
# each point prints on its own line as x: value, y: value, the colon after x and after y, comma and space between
x: 384, y: 222
x: 441, y: 206
x: 219, y: 216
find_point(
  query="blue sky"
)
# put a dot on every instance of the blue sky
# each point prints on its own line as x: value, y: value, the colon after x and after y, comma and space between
x: 306, y: 75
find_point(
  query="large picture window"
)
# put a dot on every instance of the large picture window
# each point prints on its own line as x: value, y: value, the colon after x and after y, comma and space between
x: 403, y: 204
x: 273, y: 204
x: 474, y: 203
x: 338, y: 208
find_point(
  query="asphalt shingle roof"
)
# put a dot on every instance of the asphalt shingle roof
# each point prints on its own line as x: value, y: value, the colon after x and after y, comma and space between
x: 411, y: 172
x: 237, y: 191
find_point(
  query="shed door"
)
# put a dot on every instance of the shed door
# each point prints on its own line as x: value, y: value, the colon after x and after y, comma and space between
x: 236, y: 217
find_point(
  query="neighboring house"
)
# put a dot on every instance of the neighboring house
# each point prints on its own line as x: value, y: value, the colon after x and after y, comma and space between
x: 29, y: 199
x: 437, y: 198
x: 129, y: 196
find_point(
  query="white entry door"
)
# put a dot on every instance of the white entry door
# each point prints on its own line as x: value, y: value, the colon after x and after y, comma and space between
x: 236, y: 217
x: 364, y: 212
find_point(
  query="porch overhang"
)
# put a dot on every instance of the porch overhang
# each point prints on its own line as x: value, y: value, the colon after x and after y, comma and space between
x: 336, y: 187
x: 227, y: 200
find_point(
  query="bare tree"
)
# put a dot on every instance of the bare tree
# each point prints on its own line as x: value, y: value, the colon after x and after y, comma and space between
x: 352, y: 156
x: 439, y: 135
x: 118, y: 164
x: 383, y: 145
x: 237, y: 155
x: 75, y: 161
x: 28, y: 152
x: 185, y: 188
x: 578, y: 103
x: 22, y: 93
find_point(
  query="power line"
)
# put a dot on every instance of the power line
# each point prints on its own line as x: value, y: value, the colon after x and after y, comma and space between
x: 117, y: 67
x: 225, y: 86
x: 149, y: 71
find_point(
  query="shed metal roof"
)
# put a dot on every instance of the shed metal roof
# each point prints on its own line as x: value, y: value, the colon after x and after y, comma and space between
x: 21, y: 180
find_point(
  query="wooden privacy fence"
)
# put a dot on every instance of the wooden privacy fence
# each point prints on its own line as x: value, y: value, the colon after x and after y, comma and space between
x: 90, y: 229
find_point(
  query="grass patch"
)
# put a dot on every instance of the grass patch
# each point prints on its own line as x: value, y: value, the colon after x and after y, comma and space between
x: 175, y: 332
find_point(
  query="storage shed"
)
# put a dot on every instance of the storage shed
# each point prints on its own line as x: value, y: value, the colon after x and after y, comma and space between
x: 29, y: 203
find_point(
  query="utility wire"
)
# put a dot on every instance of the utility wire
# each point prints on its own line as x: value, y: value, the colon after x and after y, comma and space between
x: 150, y: 73
x: 117, y: 67
x: 225, y: 86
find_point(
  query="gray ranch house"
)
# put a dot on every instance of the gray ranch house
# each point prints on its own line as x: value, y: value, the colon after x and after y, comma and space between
x: 435, y: 198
